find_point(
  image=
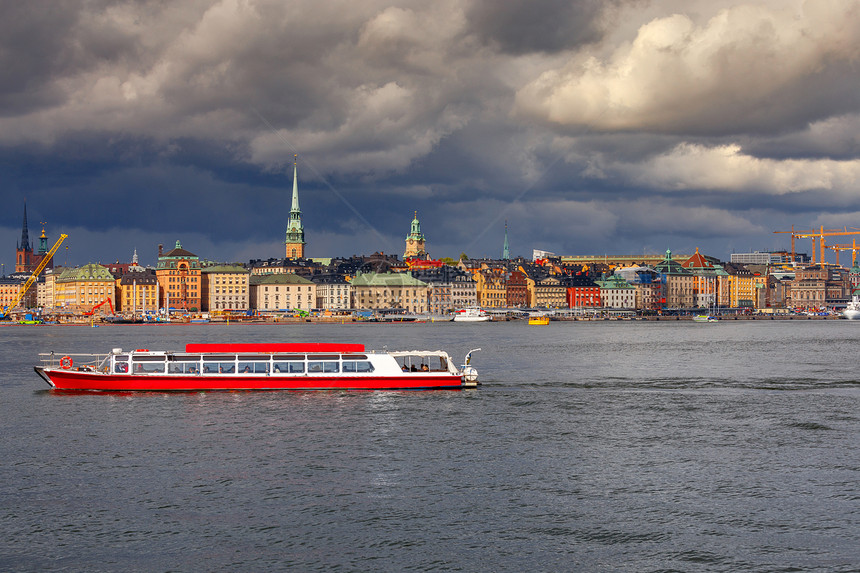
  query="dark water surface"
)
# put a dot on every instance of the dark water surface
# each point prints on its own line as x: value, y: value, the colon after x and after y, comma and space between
x: 591, y: 447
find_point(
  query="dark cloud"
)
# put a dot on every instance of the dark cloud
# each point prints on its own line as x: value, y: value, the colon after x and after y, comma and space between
x: 590, y: 126
x: 528, y: 26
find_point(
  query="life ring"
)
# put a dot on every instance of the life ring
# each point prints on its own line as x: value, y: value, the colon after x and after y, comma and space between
x: 66, y: 362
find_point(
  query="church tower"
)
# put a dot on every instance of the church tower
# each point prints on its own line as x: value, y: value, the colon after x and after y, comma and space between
x: 415, y: 241
x: 24, y: 252
x: 295, y: 232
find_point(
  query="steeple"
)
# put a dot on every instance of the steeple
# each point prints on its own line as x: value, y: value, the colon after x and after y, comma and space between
x: 506, y: 252
x: 134, y: 258
x: 415, y: 241
x: 295, y: 241
x: 43, y: 240
x: 25, y: 236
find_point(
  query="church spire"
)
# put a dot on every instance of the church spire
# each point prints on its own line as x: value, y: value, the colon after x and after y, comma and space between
x: 295, y: 241
x: 25, y: 236
x: 506, y: 252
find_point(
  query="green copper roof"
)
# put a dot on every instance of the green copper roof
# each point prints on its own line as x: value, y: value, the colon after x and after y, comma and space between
x: 91, y: 272
x: 280, y: 279
x: 387, y: 279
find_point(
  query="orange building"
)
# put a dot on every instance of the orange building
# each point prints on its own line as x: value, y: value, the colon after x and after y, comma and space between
x: 178, y: 273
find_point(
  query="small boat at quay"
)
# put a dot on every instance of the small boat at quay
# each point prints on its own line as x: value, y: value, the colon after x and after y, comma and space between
x: 316, y: 366
x: 852, y: 309
x: 471, y: 315
x: 538, y: 320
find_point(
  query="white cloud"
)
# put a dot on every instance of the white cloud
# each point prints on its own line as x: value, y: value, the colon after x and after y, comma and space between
x: 728, y: 168
x: 750, y: 67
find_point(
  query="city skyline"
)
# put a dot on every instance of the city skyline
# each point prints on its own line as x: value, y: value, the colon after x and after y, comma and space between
x: 591, y: 128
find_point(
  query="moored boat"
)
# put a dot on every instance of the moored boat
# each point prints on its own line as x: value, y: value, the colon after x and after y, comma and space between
x: 852, y: 309
x: 471, y: 315
x: 257, y: 367
x: 538, y: 320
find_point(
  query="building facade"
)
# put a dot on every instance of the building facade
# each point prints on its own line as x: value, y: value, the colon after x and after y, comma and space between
x: 333, y: 292
x: 179, y: 279
x: 377, y: 291
x: 138, y: 292
x: 225, y: 288
x: 81, y: 290
x: 282, y: 292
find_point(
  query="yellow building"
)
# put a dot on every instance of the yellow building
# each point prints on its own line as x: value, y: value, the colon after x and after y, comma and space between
x: 740, y: 289
x: 138, y: 292
x: 491, y: 287
x: 82, y: 289
x: 225, y: 287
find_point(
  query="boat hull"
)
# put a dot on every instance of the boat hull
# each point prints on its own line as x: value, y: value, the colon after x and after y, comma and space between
x: 851, y: 314
x: 62, y: 379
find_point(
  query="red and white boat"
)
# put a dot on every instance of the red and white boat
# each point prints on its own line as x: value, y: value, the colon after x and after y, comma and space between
x: 257, y: 367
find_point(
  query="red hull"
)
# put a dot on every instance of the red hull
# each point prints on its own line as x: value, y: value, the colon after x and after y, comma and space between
x: 73, y: 380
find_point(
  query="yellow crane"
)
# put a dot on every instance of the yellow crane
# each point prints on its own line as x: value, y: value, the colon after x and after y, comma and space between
x: 35, y: 275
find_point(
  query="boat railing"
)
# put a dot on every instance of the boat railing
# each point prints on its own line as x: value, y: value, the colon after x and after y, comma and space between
x: 71, y: 361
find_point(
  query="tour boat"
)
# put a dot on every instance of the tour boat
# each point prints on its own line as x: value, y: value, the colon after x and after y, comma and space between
x: 538, y: 320
x: 471, y: 315
x: 317, y: 366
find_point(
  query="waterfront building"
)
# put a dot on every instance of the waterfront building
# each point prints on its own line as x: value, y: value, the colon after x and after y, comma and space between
x: 491, y: 287
x: 225, y: 287
x: 616, y: 292
x: 740, y: 289
x: 415, y: 247
x: 582, y: 292
x: 333, y: 291
x: 9, y: 288
x: 854, y: 277
x: 650, y: 286
x: 138, y: 291
x: 178, y: 273
x: 448, y: 289
x: 680, y: 283
x: 516, y: 289
x: 282, y: 292
x: 389, y: 291
x: 707, y: 275
x: 295, y: 240
x: 82, y: 289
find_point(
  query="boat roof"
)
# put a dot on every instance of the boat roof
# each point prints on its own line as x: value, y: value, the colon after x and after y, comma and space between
x: 273, y: 347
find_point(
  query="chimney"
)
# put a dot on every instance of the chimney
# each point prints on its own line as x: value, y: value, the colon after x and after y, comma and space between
x: 160, y: 249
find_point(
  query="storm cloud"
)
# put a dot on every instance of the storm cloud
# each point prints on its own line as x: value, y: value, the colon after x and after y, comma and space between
x: 590, y: 127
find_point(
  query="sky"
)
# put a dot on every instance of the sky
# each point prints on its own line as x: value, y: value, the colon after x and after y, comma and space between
x: 590, y: 126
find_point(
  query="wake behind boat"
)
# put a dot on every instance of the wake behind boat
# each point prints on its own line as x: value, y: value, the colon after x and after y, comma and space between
x: 257, y: 367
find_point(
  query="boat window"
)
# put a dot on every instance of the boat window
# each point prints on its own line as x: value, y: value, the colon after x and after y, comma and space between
x: 149, y: 364
x: 288, y: 368
x: 253, y: 367
x: 320, y: 366
x: 121, y: 364
x: 355, y: 357
x: 357, y: 366
x: 184, y: 358
x: 254, y: 357
x: 218, y: 367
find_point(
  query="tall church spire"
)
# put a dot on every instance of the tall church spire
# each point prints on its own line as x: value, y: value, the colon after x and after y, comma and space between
x: 295, y: 241
x: 506, y: 252
x: 25, y: 236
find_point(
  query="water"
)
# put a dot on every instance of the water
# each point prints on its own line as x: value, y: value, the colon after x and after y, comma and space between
x: 608, y: 446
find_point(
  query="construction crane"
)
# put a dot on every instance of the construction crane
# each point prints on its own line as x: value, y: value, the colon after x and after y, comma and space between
x: 852, y: 247
x: 817, y: 237
x: 107, y: 301
x: 33, y: 277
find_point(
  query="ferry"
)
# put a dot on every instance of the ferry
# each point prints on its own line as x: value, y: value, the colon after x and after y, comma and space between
x: 316, y: 366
